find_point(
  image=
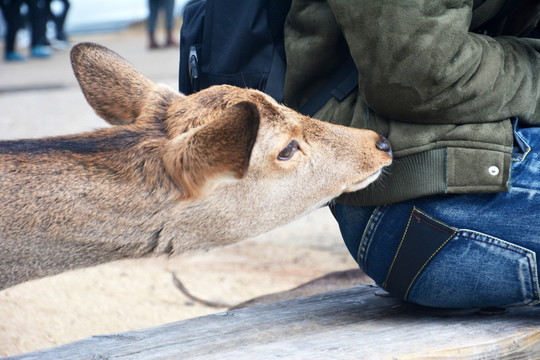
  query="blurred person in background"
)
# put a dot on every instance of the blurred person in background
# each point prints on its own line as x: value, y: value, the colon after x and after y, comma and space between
x: 11, y: 10
x: 59, y: 19
x: 38, y: 13
x: 37, y: 17
x: 154, y: 7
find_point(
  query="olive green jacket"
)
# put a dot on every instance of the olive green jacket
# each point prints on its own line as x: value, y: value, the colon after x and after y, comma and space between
x: 441, y: 94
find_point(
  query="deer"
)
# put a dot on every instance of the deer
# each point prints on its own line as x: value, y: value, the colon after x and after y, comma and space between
x: 172, y: 174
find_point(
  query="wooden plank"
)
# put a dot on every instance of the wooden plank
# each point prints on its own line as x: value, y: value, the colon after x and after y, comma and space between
x: 347, y: 324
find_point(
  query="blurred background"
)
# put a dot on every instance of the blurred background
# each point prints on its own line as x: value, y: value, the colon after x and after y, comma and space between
x: 90, y: 16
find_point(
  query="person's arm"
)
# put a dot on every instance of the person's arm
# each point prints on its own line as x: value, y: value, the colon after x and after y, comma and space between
x: 418, y: 62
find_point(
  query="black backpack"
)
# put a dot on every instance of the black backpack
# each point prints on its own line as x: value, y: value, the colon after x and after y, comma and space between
x: 235, y: 42
x: 239, y: 42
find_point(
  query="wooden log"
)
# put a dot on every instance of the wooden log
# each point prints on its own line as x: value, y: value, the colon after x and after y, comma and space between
x: 346, y: 324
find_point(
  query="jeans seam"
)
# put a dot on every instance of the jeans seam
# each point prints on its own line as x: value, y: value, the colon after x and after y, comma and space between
x: 415, y: 209
x: 367, y: 236
x: 522, y: 158
x: 385, y: 283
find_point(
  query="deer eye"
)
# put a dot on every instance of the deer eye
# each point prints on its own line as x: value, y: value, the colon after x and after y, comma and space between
x: 289, y: 151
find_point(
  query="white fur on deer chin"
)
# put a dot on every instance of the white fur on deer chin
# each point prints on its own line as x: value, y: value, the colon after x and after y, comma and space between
x: 361, y: 184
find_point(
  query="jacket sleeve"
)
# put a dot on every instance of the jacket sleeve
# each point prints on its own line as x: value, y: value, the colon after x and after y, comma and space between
x: 419, y: 63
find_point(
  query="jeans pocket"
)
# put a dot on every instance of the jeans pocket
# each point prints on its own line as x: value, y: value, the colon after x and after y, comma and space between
x: 472, y: 269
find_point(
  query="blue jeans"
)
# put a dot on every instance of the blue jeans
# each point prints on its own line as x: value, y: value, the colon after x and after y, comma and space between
x: 481, y: 247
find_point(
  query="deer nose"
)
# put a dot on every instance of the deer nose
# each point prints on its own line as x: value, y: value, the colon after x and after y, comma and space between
x: 384, y: 145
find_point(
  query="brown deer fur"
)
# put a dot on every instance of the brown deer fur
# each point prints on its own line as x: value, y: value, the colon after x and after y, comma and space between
x: 174, y: 173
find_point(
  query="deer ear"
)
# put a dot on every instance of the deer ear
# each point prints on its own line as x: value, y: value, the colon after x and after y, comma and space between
x: 219, y: 151
x: 117, y: 91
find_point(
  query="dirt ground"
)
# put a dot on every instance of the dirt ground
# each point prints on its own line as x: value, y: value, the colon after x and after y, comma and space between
x: 41, y: 98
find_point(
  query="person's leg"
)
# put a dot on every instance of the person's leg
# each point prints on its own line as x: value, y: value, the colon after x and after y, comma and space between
x: 59, y: 18
x: 169, y: 22
x: 153, y: 7
x: 38, y: 18
x: 460, y: 250
x: 12, y: 15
